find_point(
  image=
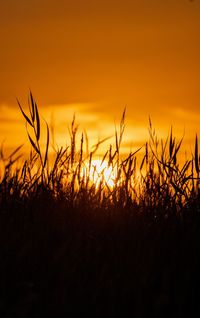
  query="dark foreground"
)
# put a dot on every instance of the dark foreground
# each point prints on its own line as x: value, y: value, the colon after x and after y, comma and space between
x: 56, y: 261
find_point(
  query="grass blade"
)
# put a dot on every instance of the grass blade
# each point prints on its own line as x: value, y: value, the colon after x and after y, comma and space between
x: 37, y: 122
x: 32, y: 108
x: 25, y: 116
x: 33, y: 144
x: 47, y: 146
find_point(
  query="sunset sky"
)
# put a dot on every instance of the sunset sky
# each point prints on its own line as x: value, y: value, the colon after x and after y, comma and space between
x: 94, y: 57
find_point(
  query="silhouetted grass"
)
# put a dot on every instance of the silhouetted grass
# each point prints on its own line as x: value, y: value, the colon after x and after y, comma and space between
x: 69, y: 245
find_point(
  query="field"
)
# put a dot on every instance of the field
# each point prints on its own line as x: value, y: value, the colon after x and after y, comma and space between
x: 79, y: 236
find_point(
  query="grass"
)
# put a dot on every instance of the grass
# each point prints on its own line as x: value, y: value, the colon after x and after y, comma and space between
x: 69, y: 245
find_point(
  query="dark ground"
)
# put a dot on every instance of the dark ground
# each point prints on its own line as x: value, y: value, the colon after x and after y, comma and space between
x: 56, y: 261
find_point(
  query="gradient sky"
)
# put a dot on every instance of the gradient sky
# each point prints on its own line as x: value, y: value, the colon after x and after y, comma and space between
x: 96, y: 56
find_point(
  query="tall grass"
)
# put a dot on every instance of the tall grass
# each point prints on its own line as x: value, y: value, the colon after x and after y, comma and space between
x: 71, y: 244
x: 158, y: 182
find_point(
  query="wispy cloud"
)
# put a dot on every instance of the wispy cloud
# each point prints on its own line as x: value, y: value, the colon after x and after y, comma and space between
x: 99, y: 124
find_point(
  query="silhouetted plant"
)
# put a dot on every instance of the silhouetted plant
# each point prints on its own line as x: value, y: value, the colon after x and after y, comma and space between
x: 158, y: 181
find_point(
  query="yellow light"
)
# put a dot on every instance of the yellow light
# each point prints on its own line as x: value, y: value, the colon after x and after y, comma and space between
x: 101, y: 172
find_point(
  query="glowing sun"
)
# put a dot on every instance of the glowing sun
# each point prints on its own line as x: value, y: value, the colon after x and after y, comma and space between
x: 102, y: 172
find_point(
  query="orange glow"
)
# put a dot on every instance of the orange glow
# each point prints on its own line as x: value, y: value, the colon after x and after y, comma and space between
x: 95, y: 57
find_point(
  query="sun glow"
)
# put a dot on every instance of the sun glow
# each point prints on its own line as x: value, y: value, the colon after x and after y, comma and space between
x: 102, y: 173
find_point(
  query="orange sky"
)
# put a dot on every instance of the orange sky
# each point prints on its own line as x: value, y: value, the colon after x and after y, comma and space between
x: 96, y: 56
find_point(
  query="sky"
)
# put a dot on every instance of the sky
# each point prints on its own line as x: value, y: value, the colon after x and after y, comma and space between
x: 94, y: 57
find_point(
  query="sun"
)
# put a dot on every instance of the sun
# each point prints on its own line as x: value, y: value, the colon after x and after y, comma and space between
x: 102, y: 172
